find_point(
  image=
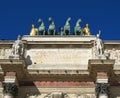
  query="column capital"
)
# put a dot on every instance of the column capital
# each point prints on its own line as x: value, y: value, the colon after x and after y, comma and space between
x: 102, y: 88
x: 10, y: 88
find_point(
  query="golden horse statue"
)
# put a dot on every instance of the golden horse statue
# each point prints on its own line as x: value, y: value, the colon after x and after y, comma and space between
x: 34, y: 31
x: 86, y: 30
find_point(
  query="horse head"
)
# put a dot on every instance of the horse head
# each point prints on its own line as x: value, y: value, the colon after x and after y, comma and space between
x: 51, y: 29
x: 78, y: 22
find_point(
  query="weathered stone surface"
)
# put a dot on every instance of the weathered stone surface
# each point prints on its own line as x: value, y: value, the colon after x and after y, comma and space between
x: 102, y: 77
x: 5, y: 53
x: 58, y: 56
x: 58, y: 38
x: 40, y: 92
x: 10, y: 73
x: 10, y: 79
x: 63, y: 84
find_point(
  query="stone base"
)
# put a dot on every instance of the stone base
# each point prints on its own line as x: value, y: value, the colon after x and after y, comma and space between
x: 102, y: 80
x: 101, y: 57
x: 15, y: 57
x: 8, y: 96
x: 10, y: 79
x: 103, y: 96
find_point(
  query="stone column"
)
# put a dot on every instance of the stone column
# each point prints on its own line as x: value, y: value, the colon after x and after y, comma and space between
x: 10, y: 89
x: 102, y: 85
x: 102, y: 90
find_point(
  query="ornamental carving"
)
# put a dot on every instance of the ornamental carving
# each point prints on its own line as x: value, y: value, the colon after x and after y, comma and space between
x: 102, y: 89
x: 4, y: 53
x: 18, y: 48
x: 56, y: 95
x: 10, y: 88
x: 114, y: 54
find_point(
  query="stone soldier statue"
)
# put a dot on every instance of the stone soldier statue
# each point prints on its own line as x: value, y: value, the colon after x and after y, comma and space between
x: 17, y: 48
x: 41, y: 29
x: 67, y: 27
x: 99, y: 48
x: 77, y: 28
x: 51, y: 29
x: 99, y: 44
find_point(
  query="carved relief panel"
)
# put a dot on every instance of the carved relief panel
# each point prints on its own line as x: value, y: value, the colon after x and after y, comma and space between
x: 4, y: 53
x: 114, y: 54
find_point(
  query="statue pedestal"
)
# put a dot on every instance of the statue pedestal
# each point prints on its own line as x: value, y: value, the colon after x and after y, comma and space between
x: 15, y: 57
x: 101, y: 57
x: 103, y: 96
x: 8, y: 96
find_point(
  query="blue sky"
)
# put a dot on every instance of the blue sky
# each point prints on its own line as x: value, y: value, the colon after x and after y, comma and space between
x: 17, y: 16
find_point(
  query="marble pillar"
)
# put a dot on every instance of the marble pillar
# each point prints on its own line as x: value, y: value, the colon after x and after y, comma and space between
x: 102, y: 90
x: 9, y: 90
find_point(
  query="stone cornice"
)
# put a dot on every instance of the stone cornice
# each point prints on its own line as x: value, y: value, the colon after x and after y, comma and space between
x: 101, y: 62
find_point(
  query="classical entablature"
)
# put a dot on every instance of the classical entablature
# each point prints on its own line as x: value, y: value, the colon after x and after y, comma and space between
x: 59, y: 66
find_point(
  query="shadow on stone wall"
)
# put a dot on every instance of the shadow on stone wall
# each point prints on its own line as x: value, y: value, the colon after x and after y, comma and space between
x: 28, y: 60
x: 28, y: 89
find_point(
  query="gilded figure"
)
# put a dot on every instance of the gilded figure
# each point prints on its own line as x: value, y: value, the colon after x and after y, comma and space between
x: 34, y: 31
x: 86, y: 30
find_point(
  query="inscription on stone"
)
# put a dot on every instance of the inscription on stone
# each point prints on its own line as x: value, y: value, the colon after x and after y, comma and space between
x: 59, y: 56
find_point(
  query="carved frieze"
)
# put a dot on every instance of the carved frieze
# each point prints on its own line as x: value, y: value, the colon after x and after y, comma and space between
x: 102, y: 89
x: 114, y: 54
x: 4, y: 53
x: 10, y: 88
